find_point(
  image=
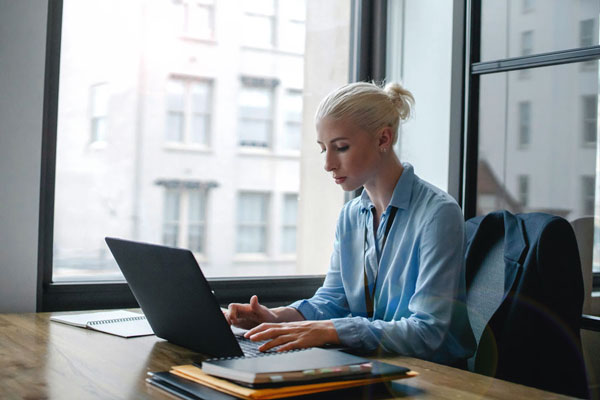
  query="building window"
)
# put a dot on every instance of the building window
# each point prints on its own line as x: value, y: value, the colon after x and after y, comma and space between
x: 189, y: 104
x: 524, y: 123
x: 586, y: 33
x: 293, y: 20
x: 255, y: 122
x: 289, y: 221
x: 184, y: 218
x: 99, y: 112
x: 588, y: 186
x: 292, y: 132
x: 590, y: 119
x: 260, y: 23
x: 197, y: 18
x: 526, y: 43
x: 252, y: 218
x: 523, y: 190
x: 275, y: 24
x: 528, y: 5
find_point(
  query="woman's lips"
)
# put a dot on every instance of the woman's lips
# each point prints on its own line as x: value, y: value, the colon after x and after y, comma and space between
x: 340, y: 180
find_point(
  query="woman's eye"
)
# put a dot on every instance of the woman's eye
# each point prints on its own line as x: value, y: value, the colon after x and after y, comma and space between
x: 322, y: 151
x: 342, y: 149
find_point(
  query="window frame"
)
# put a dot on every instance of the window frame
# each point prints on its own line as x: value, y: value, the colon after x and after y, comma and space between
x: 474, y: 69
x: 367, y: 61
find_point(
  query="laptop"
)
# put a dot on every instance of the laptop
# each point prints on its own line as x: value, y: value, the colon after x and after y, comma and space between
x: 176, y: 299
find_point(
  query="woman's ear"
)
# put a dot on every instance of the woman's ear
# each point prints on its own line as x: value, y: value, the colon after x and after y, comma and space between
x: 386, y: 138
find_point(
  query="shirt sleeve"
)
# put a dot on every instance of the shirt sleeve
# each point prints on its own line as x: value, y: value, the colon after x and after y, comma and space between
x: 441, y: 248
x: 330, y: 299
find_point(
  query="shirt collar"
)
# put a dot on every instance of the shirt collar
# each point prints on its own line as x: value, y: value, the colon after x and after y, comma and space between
x: 402, y: 191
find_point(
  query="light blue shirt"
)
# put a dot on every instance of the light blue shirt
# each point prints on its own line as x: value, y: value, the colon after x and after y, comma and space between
x: 419, y: 302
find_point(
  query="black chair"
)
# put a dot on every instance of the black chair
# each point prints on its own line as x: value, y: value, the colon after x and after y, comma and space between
x: 524, y: 299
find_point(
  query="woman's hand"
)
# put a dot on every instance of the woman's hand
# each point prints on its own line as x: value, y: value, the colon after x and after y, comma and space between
x: 248, y: 316
x: 294, y: 335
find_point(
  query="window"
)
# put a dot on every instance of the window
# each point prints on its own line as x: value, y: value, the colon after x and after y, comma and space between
x: 589, y: 119
x: 527, y: 43
x: 275, y: 24
x: 189, y: 111
x: 557, y: 64
x: 523, y: 191
x: 289, y: 222
x: 260, y: 23
x: 293, y: 16
x: 292, y: 132
x: 184, y: 218
x: 99, y: 111
x: 196, y: 18
x: 524, y: 123
x: 252, y: 222
x: 588, y: 188
x: 586, y: 33
x: 177, y: 109
x: 528, y: 5
x: 255, y: 115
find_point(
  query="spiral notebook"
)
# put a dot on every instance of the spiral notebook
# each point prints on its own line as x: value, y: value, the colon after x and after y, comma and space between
x: 120, y: 323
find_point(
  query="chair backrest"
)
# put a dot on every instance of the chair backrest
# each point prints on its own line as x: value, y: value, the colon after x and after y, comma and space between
x: 584, y: 232
x: 485, y: 290
x: 524, y: 297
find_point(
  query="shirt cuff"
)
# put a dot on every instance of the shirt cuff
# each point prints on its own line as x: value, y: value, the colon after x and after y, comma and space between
x: 347, y: 332
x: 304, y: 307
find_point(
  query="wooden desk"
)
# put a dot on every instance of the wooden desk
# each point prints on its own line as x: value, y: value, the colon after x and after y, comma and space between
x: 40, y: 359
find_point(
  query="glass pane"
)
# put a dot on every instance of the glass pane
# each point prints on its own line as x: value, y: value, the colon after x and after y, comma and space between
x: 556, y: 172
x: 100, y: 100
x: 290, y: 209
x: 196, y: 238
x: 251, y: 239
x: 255, y: 102
x: 98, y: 129
x: 176, y: 96
x: 254, y: 133
x: 197, y: 206
x: 252, y: 208
x: 201, y: 93
x: 513, y: 28
x: 259, y: 30
x: 166, y: 88
x: 288, y: 240
x: 293, y: 133
x: 200, y: 21
x: 175, y: 125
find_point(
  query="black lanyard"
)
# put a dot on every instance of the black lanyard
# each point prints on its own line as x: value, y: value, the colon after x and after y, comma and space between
x: 370, y: 296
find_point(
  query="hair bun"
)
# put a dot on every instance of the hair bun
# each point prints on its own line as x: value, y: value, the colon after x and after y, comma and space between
x: 401, y: 98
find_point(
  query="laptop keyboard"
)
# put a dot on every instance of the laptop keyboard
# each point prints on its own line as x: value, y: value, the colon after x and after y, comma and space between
x: 250, y: 348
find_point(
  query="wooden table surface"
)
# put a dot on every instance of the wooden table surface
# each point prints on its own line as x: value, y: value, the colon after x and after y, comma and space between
x: 40, y: 359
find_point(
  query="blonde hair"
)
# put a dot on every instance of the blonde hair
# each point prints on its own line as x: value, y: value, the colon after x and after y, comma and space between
x: 368, y: 105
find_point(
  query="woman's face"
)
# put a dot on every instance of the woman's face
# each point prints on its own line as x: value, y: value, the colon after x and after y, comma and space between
x: 351, y: 154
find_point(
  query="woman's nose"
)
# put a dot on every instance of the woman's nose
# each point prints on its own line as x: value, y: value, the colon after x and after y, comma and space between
x: 330, y: 162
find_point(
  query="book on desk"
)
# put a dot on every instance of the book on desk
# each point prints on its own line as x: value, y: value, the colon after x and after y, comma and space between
x: 196, y: 381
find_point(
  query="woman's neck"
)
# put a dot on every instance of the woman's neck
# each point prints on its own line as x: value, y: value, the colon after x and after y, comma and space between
x: 381, y: 189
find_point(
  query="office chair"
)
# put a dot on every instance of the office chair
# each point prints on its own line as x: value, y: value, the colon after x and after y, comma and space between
x: 583, y: 228
x: 524, y: 300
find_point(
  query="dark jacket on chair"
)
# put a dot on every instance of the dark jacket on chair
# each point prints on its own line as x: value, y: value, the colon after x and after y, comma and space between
x: 533, y: 336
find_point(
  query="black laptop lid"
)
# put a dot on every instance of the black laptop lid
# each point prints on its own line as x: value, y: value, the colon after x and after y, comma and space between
x: 175, y: 297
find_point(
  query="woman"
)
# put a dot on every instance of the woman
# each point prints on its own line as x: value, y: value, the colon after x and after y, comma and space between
x: 396, y: 279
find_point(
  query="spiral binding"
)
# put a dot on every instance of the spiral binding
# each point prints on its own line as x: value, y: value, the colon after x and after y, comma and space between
x: 112, y: 321
x: 256, y: 356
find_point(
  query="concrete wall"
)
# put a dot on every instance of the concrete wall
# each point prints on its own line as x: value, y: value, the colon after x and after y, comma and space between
x: 22, y: 58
